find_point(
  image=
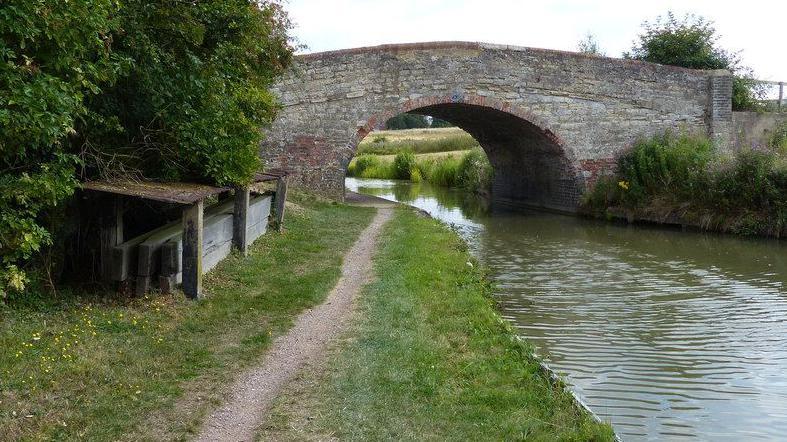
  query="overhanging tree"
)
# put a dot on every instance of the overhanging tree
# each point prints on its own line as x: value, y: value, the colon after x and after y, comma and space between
x: 94, y: 88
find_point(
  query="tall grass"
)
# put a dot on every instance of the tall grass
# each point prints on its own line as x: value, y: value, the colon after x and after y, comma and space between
x: 475, y: 171
x: 680, y: 176
x: 470, y: 172
x: 371, y: 166
x: 440, y: 171
x: 778, y: 141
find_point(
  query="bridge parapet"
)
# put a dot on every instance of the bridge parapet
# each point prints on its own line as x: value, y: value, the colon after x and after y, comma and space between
x: 550, y: 121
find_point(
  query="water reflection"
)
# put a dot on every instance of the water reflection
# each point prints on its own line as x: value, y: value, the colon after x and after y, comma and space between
x: 668, y: 334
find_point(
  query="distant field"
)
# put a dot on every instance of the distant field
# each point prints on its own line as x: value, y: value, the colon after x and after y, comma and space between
x: 387, y: 160
x: 428, y: 156
x: 414, y: 134
x: 389, y: 142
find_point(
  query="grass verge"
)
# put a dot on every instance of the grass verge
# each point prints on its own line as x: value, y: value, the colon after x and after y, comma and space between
x: 429, y: 359
x: 87, y: 368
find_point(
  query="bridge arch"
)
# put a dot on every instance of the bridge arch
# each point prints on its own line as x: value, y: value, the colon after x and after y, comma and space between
x: 532, y: 164
x: 550, y: 121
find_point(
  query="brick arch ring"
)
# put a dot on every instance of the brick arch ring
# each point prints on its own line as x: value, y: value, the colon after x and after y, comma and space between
x: 474, y: 100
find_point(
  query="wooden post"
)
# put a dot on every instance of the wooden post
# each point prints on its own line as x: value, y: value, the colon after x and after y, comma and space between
x: 240, y: 220
x: 281, y: 199
x: 192, y: 250
x: 111, y: 235
x: 170, y: 266
x: 781, y: 94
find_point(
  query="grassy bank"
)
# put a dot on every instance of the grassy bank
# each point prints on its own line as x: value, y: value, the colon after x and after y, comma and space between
x: 469, y: 170
x: 429, y: 359
x: 682, y: 179
x: 391, y: 142
x: 97, y: 368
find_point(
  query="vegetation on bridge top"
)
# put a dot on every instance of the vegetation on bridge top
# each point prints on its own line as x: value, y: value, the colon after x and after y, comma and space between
x: 692, y: 42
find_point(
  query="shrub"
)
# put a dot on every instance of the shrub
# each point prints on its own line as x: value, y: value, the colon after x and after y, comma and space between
x: 745, y: 182
x: 196, y: 94
x: 403, y: 164
x: 605, y: 193
x: 670, y: 174
x: 442, y: 172
x: 664, y: 164
x: 475, y: 172
x: 361, y: 164
x: 52, y: 55
x: 778, y: 140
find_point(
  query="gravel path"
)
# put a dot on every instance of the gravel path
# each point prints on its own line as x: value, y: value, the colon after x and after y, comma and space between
x: 254, y: 392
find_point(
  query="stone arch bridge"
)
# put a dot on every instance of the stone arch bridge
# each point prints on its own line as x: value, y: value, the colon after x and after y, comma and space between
x: 549, y: 121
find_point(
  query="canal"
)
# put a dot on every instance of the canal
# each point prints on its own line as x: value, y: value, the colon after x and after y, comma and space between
x: 669, y: 335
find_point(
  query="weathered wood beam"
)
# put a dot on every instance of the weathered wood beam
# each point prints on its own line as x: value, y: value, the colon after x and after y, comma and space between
x: 240, y: 221
x: 281, y: 199
x: 170, y: 266
x: 192, y: 249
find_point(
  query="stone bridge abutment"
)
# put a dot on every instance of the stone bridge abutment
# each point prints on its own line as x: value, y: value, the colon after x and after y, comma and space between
x: 549, y: 121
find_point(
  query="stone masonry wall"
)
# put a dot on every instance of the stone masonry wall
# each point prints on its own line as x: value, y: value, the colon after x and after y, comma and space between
x: 550, y: 121
x: 755, y: 129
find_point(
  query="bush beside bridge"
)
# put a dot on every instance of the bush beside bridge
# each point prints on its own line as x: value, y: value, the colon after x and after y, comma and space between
x: 680, y: 178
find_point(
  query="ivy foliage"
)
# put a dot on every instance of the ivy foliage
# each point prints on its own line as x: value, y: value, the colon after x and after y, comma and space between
x: 692, y: 42
x: 99, y: 88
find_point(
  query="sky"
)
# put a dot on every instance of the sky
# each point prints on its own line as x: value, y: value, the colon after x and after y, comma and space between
x: 757, y: 28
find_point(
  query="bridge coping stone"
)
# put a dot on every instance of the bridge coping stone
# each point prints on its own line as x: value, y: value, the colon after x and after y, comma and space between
x: 591, y: 107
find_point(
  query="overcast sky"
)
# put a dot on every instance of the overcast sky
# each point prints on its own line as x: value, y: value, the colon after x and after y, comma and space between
x: 758, y: 28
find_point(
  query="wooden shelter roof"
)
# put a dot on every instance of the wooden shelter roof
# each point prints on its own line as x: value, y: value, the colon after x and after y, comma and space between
x: 173, y: 192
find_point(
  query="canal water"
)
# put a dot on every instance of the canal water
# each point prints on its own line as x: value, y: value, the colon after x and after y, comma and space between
x: 669, y: 335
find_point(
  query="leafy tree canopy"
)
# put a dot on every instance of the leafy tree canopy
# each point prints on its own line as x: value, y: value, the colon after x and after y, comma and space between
x: 692, y: 42
x: 407, y: 121
x: 437, y: 123
x: 93, y: 88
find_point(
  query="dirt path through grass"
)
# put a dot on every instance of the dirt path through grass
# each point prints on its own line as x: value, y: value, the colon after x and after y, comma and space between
x: 254, y: 392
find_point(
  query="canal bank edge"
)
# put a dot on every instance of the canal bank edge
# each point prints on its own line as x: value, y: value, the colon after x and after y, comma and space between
x: 554, y: 377
x: 374, y: 201
x: 321, y: 402
x: 671, y: 221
